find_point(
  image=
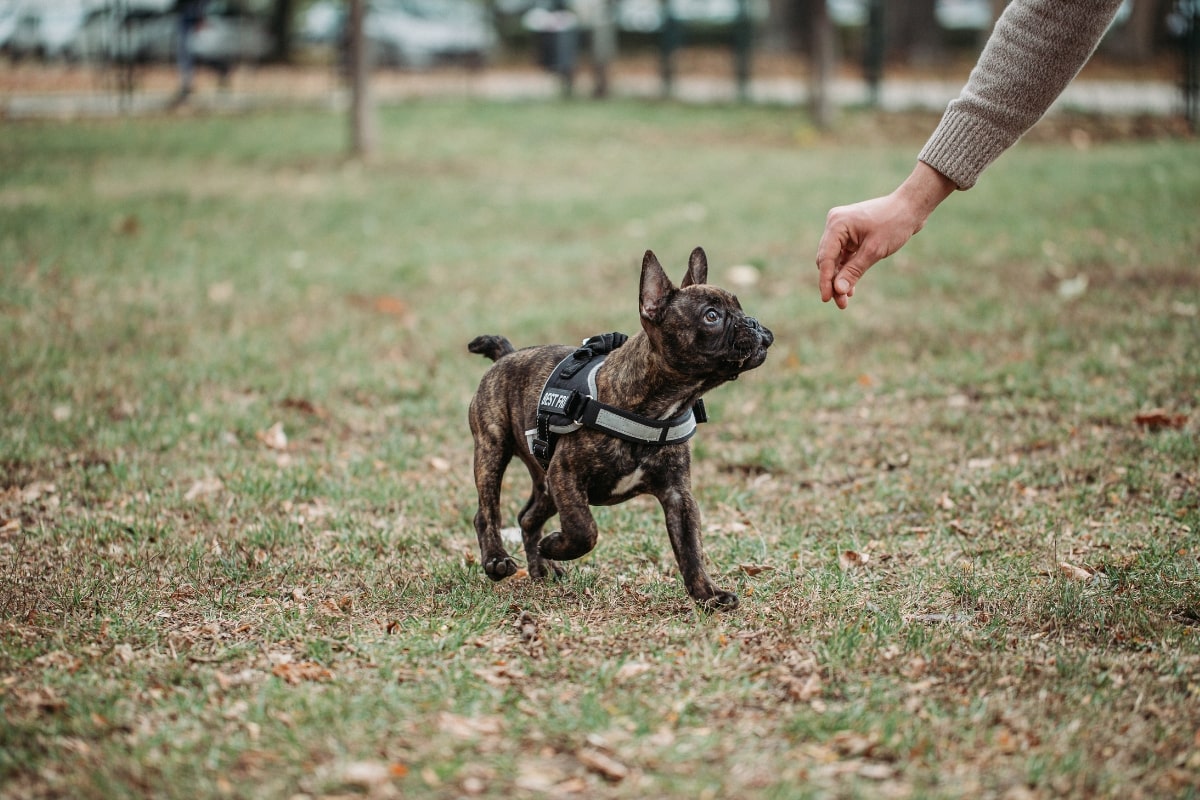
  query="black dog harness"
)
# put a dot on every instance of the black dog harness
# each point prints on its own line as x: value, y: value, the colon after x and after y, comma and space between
x: 568, y: 402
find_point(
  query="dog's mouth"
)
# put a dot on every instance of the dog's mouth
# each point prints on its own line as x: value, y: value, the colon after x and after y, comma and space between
x: 750, y: 351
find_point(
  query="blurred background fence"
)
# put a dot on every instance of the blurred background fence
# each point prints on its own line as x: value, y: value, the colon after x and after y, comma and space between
x: 123, y: 55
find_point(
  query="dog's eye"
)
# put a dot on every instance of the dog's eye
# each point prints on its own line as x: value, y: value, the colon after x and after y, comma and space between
x: 712, y: 316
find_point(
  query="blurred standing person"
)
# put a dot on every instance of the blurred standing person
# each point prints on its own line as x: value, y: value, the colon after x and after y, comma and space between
x: 191, y: 14
x: 1036, y: 48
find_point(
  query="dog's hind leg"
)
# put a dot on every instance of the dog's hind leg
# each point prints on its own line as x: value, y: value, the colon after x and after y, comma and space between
x: 492, y: 454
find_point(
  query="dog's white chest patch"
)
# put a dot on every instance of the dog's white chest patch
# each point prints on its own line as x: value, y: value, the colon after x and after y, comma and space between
x: 628, y: 483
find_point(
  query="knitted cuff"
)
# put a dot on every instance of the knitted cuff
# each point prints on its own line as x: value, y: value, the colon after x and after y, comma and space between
x: 962, y: 146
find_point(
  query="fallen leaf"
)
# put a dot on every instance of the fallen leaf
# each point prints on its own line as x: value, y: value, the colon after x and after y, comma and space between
x: 221, y: 293
x: 294, y: 673
x: 876, y: 771
x: 390, y: 305
x: 245, y: 677
x: 851, y: 560
x: 330, y: 609
x: 602, y: 764
x: 42, y: 700
x: 1159, y: 418
x: 304, y: 406
x: 439, y: 464
x: 805, y: 690
x: 469, y: 727
x: 742, y: 276
x: 366, y: 774
x: 203, y: 488
x: 37, y: 489
x: 850, y: 744
x: 755, y: 569
x: 1081, y: 574
x: 274, y: 437
x: 381, y: 304
x: 630, y: 670
x: 128, y: 225
x: 1071, y: 288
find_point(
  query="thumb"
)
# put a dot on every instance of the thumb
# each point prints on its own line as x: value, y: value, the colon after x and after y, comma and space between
x: 849, y: 275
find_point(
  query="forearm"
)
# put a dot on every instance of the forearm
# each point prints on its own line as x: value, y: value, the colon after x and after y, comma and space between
x: 1036, y: 49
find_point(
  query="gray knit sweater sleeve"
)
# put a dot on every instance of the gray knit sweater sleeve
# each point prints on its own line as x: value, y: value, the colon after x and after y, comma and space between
x: 1035, y: 50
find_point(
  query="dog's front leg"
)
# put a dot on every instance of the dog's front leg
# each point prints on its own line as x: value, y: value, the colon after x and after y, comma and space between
x: 579, y: 532
x: 683, y: 526
x: 533, y: 516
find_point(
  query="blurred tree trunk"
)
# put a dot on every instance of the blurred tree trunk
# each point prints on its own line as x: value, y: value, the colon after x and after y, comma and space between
x: 822, y: 62
x: 811, y: 27
x: 280, y: 26
x: 362, y: 110
x: 604, y: 47
x: 913, y: 34
x: 1137, y: 38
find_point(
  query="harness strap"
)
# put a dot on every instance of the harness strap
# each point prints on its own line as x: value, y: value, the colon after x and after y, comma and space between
x: 634, y: 427
x: 563, y: 408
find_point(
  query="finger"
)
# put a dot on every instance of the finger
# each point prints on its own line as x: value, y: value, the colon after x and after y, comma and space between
x: 829, y: 256
x: 828, y: 269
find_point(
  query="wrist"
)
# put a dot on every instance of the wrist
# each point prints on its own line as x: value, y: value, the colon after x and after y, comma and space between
x: 923, y: 191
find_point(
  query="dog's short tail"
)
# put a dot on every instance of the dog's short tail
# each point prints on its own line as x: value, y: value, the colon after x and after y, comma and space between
x: 494, y: 347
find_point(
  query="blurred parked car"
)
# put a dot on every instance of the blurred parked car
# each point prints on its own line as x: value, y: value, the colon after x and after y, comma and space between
x: 419, y: 33
x: 44, y: 29
x: 952, y: 15
x: 132, y: 32
x: 647, y: 16
x: 228, y: 36
x: 140, y: 31
x: 10, y: 12
x: 321, y: 22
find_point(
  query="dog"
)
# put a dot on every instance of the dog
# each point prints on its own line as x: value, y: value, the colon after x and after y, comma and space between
x: 648, y: 389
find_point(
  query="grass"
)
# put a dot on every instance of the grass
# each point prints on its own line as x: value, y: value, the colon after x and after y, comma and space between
x: 192, y: 606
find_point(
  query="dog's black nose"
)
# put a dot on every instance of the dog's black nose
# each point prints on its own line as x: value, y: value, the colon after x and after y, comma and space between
x: 764, y: 334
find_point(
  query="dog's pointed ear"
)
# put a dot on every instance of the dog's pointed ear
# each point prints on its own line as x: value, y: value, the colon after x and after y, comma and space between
x: 697, y: 268
x: 655, y: 290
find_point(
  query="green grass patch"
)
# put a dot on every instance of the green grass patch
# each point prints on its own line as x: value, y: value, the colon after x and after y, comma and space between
x: 236, y: 553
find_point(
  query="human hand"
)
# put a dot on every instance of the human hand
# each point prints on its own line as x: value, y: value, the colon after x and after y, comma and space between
x: 859, y: 235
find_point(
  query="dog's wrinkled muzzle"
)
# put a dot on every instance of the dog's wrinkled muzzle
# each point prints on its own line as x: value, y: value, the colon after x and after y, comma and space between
x: 752, y: 342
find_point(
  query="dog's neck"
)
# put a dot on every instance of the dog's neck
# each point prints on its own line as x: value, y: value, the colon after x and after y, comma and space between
x: 638, y: 379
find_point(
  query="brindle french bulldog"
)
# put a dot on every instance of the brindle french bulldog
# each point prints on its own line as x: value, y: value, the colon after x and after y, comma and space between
x: 693, y: 339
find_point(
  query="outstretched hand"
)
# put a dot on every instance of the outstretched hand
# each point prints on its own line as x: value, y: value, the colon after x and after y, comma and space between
x: 859, y: 235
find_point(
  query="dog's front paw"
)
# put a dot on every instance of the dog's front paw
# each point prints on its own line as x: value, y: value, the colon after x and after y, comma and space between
x: 558, y: 546
x: 500, y: 567
x: 720, y: 601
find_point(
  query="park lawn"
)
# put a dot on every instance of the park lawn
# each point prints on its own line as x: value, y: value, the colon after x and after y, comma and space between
x: 236, y: 550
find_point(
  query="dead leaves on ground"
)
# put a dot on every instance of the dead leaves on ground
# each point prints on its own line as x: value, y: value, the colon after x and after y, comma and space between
x: 1160, y: 419
x: 299, y: 672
